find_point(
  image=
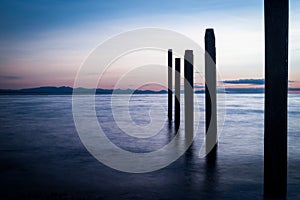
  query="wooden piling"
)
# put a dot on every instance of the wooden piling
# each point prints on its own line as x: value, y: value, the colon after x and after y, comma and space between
x: 276, y: 88
x: 210, y: 93
x: 189, y: 92
x: 170, y: 83
x: 177, y: 93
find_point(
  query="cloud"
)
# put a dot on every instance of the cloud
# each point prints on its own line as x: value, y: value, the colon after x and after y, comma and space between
x: 198, y: 86
x: 246, y: 81
x: 10, y: 77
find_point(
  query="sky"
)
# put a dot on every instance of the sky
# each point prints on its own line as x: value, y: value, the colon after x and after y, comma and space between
x: 44, y: 43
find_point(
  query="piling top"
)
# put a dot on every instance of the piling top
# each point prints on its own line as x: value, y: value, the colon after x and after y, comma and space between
x: 188, y: 56
x: 169, y: 50
x: 189, y: 52
x: 210, y: 43
x: 209, y: 32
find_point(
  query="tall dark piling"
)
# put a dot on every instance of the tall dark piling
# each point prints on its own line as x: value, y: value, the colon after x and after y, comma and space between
x: 276, y: 88
x: 170, y: 83
x: 189, y: 92
x: 210, y: 93
x: 177, y: 93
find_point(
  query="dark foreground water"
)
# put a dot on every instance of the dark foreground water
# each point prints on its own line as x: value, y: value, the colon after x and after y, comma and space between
x: 42, y: 157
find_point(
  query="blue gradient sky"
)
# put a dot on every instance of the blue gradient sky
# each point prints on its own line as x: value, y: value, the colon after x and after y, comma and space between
x: 44, y: 42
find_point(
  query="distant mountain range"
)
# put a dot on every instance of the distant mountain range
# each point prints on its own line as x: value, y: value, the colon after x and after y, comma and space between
x: 69, y: 91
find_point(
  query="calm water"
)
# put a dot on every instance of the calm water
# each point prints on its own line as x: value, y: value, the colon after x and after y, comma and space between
x: 43, y: 157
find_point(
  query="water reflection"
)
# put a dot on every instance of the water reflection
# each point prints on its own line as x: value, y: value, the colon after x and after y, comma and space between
x: 201, y: 174
x: 211, y: 177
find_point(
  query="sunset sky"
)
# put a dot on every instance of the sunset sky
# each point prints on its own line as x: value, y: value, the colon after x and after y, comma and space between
x: 43, y: 43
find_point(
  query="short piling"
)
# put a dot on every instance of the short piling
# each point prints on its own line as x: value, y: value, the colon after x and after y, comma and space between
x: 170, y: 83
x: 177, y: 93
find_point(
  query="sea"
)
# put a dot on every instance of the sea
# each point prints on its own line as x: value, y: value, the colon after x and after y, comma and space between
x: 44, y: 154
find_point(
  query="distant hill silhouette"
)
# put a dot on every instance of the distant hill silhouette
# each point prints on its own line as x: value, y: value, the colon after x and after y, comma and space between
x: 50, y: 90
x: 68, y: 91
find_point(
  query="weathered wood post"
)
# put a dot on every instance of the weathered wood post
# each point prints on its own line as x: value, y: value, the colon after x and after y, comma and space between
x: 177, y: 93
x: 189, y: 92
x: 276, y: 88
x: 170, y: 83
x: 210, y: 93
